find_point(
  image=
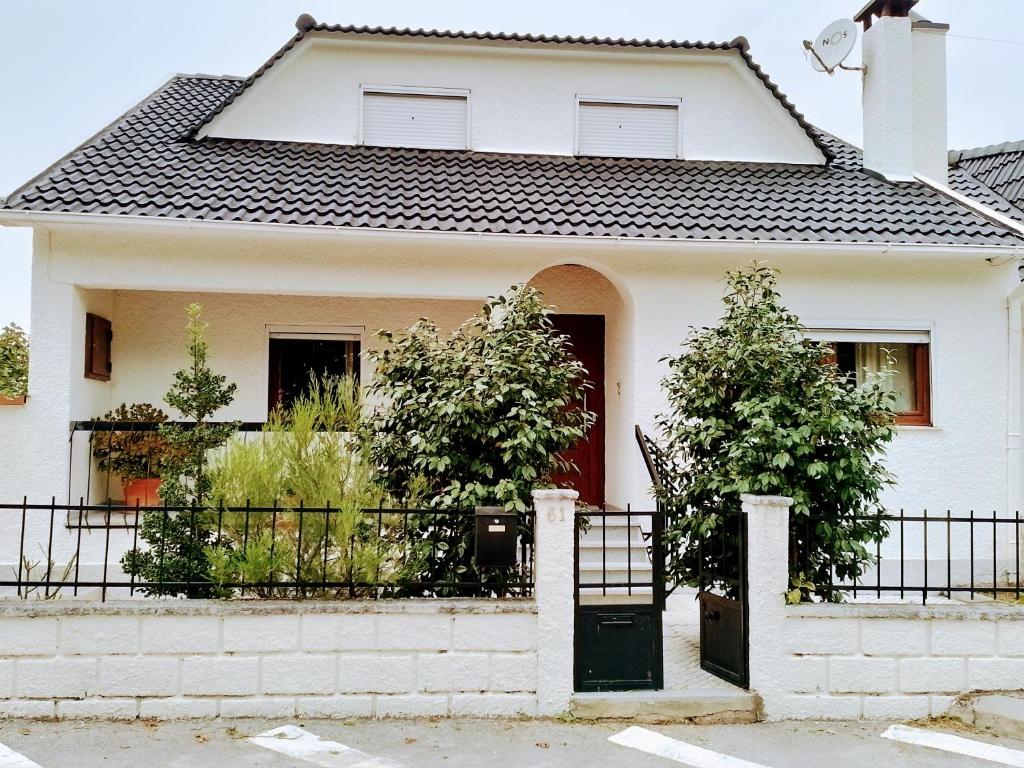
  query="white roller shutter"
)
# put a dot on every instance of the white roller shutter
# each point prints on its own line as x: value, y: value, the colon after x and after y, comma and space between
x: 414, y: 120
x: 628, y: 130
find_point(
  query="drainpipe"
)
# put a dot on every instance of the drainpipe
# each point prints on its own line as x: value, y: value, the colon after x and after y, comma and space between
x: 1015, y: 338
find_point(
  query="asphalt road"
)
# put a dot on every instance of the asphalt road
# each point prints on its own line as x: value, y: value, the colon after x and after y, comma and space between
x: 464, y: 744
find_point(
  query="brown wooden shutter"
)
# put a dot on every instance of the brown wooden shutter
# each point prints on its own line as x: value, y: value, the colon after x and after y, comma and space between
x: 98, y: 336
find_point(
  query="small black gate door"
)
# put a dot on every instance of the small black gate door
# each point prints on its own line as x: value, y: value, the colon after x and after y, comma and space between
x: 722, y: 599
x: 620, y: 596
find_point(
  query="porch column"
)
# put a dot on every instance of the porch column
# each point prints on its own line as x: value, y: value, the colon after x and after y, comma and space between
x: 553, y: 587
x: 58, y: 391
x: 767, y: 519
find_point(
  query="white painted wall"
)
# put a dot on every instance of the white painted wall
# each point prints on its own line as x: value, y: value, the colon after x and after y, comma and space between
x: 960, y: 463
x: 522, y: 98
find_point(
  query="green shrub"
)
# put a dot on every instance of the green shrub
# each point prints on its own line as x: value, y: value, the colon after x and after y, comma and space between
x: 480, y: 415
x: 306, y: 457
x: 477, y: 417
x: 177, y: 540
x: 13, y: 361
x: 754, y: 408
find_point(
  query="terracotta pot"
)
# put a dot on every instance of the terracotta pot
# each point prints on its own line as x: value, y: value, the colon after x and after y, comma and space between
x: 142, y: 491
x: 6, y: 400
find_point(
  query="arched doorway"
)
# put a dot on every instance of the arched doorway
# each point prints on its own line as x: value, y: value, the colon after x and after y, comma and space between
x: 592, y: 313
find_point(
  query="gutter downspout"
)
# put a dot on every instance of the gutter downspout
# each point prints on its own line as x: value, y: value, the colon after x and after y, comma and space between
x: 1015, y: 354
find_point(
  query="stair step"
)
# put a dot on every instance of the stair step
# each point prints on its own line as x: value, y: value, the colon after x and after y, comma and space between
x: 702, y: 705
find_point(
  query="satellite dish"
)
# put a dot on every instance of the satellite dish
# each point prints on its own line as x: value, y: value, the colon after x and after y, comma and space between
x: 832, y: 45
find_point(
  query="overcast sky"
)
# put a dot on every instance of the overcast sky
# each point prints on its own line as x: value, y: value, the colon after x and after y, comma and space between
x: 71, y: 66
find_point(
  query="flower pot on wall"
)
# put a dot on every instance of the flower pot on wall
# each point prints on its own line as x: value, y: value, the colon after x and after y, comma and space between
x: 8, y: 400
x: 142, y: 491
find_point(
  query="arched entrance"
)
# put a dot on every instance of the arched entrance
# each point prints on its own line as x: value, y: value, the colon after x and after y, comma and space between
x: 592, y: 313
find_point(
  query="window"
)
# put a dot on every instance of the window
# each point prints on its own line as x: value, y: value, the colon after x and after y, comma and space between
x: 627, y: 128
x: 296, y: 356
x: 399, y: 117
x: 98, y: 338
x: 904, y: 355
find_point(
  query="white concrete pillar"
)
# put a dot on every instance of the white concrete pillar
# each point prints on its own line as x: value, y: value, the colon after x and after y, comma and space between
x: 553, y: 588
x: 767, y: 580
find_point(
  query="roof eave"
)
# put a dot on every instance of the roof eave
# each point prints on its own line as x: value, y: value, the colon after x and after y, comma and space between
x: 995, y: 254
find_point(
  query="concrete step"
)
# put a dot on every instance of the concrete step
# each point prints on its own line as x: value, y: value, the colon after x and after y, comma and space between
x: 613, y: 537
x: 697, y: 705
x: 615, y: 575
x: 998, y: 713
x: 614, y: 560
x: 620, y: 521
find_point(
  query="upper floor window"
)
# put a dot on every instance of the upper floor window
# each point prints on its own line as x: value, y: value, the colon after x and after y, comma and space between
x: 902, y: 356
x: 627, y: 127
x: 414, y: 117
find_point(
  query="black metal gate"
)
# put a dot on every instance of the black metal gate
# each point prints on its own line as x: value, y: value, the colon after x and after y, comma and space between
x: 721, y: 573
x: 722, y: 599
x: 620, y: 596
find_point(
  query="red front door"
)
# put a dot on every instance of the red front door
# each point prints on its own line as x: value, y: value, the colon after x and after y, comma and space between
x: 586, y: 332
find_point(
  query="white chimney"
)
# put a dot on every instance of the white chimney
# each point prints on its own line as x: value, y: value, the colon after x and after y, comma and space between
x: 904, y: 92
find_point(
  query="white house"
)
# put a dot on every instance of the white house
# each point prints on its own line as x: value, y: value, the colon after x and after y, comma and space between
x: 363, y: 178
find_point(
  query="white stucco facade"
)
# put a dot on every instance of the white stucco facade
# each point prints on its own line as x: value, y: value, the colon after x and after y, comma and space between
x: 522, y: 98
x: 142, y: 280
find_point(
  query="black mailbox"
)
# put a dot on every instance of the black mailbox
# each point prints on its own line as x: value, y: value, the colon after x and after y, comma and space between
x: 495, y: 537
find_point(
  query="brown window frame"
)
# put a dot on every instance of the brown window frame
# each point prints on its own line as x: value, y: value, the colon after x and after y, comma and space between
x: 922, y: 415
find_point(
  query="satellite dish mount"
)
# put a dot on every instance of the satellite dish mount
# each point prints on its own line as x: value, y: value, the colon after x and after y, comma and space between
x: 831, y: 47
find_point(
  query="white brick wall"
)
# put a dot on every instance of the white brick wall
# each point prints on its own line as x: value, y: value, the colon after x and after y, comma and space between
x: 894, y: 661
x: 179, y: 659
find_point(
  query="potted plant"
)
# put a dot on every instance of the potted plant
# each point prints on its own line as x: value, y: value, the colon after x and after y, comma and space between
x: 135, y: 454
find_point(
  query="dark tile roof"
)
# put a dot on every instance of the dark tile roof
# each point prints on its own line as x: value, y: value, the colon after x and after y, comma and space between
x: 997, y: 172
x: 144, y: 165
x: 307, y: 24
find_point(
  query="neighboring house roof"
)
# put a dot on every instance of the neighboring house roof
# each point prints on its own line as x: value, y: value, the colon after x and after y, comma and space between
x: 145, y: 165
x: 306, y: 24
x: 998, y: 173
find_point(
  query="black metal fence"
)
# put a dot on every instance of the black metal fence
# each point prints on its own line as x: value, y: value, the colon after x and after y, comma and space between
x: 920, y: 556
x: 58, y: 551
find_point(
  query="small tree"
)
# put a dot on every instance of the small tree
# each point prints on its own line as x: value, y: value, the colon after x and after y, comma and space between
x: 13, y: 361
x: 755, y: 407
x: 475, y: 418
x: 177, y: 540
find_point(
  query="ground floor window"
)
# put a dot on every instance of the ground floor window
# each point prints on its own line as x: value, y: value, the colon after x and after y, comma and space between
x: 297, y: 356
x: 903, y: 355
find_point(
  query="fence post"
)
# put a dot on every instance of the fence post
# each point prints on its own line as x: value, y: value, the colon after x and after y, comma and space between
x: 556, y: 605
x: 767, y: 519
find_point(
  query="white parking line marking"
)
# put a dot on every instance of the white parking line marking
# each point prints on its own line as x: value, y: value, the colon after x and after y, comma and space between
x: 949, y: 743
x: 672, y: 749
x: 299, y: 743
x: 11, y: 759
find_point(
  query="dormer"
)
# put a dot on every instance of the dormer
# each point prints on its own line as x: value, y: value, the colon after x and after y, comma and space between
x: 517, y: 93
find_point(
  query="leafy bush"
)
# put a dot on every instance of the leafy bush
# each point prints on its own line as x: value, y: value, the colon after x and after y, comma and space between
x: 177, y: 540
x: 303, y: 458
x: 477, y: 417
x: 482, y: 414
x: 13, y: 361
x: 132, y: 453
x: 755, y: 408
